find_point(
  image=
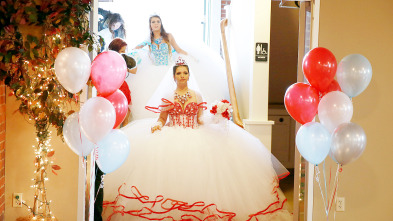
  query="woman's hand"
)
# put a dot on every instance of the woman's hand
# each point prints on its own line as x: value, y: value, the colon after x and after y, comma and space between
x: 156, y: 126
x: 200, y: 121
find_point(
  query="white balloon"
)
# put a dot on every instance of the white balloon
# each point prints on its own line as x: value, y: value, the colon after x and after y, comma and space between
x: 334, y: 109
x: 97, y: 118
x: 354, y: 73
x: 74, y: 138
x: 72, y: 68
x: 113, y: 151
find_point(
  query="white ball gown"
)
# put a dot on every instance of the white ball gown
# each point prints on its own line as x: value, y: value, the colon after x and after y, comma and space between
x: 186, y: 171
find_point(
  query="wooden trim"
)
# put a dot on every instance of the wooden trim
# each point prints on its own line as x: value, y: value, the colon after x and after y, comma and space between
x: 314, y: 42
x: 236, y: 117
x: 300, y: 78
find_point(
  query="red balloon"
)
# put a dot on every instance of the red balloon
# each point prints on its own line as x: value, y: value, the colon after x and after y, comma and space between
x: 319, y: 67
x: 108, y: 72
x: 301, y: 101
x: 334, y: 86
x: 119, y: 102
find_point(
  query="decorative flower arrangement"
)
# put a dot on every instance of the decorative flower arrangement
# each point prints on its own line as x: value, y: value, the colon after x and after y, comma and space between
x: 222, y: 108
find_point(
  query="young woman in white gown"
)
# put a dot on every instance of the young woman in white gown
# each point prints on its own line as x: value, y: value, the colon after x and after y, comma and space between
x: 184, y: 167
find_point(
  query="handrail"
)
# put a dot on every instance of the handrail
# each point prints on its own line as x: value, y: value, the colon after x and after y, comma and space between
x: 232, y: 94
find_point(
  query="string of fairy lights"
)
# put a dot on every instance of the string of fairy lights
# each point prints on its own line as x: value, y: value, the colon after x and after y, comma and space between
x: 43, y: 81
x: 43, y: 151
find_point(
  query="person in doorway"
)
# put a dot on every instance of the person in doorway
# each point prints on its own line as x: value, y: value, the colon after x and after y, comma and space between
x: 115, y: 28
x: 160, y: 42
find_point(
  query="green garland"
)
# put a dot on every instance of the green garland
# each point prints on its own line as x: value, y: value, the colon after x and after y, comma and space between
x: 32, y: 34
x: 27, y: 62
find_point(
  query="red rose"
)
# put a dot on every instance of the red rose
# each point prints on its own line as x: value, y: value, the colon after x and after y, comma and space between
x: 226, y: 114
x: 214, y: 109
x: 225, y: 101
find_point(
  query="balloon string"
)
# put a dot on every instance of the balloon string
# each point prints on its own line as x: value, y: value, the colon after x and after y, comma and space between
x: 100, y: 187
x: 317, y: 172
x: 340, y: 170
x: 334, y: 193
x: 80, y: 136
x: 92, y: 175
x: 335, y: 202
x: 324, y: 179
x: 330, y: 176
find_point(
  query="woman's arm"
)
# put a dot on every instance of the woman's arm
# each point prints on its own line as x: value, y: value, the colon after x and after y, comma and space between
x: 174, y: 45
x: 200, y: 109
x: 160, y: 122
x: 199, y: 118
x: 141, y: 45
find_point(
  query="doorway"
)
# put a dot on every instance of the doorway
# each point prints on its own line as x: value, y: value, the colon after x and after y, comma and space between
x: 197, y: 25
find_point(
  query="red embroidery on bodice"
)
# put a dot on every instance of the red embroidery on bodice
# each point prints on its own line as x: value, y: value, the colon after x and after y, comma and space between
x: 178, y: 116
x: 186, y: 117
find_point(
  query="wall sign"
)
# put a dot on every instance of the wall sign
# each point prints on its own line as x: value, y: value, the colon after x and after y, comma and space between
x: 261, y: 51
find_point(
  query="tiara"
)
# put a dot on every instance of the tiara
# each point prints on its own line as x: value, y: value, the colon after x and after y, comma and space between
x: 180, y: 61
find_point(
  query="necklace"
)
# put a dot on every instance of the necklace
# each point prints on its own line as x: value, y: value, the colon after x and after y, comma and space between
x: 182, y: 98
x: 158, y: 40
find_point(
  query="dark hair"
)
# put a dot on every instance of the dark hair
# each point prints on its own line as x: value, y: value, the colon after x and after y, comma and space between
x: 163, y: 33
x: 176, y: 66
x: 113, y: 19
x: 116, y: 44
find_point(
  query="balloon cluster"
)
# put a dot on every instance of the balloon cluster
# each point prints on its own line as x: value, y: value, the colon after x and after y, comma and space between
x: 93, y: 127
x: 331, y: 99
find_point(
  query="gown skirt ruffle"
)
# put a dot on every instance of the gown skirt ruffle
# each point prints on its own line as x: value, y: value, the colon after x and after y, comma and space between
x: 215, y: 172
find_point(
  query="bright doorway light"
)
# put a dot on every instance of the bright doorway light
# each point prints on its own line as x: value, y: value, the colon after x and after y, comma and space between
x: 182, y: 18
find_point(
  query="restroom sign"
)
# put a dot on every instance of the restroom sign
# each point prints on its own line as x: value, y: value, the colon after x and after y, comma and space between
x: 261, y: 51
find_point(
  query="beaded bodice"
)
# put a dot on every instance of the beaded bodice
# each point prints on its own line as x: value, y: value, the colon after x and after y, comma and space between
x: 159, y: 50
x: 186, y: 117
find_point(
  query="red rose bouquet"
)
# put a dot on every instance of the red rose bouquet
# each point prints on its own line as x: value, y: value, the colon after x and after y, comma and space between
x: 222, y: 109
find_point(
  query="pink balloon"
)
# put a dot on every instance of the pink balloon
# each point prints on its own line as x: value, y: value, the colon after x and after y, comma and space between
x: 108, y: 72
x: 120, y: 103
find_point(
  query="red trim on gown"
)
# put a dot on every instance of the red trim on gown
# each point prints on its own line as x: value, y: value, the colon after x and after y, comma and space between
x: 158, y: 208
